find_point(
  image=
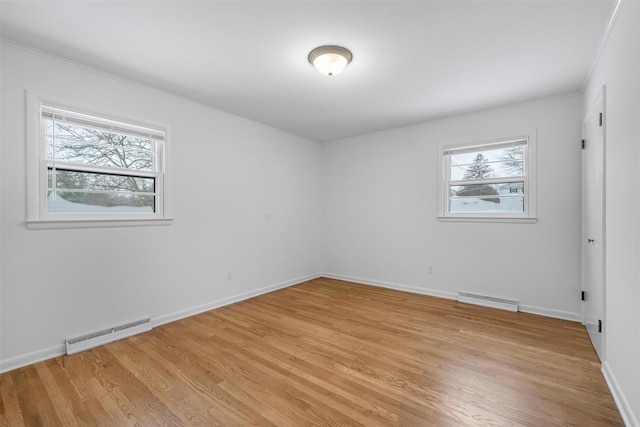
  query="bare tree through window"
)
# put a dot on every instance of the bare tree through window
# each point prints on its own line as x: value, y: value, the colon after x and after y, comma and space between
x: 96, y: 167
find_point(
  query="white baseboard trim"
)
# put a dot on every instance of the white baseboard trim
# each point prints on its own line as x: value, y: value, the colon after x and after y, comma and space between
x: 192, y: 311
x: 550, y: 312
x: 391, y: 285
x: 59, y: 350
x: 618, y: 396
x: 31, y: 358
x: 547, y: 312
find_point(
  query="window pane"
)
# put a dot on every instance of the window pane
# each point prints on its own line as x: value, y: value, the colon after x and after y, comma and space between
x: 486, y: 190
x: 99, y: 148
x: 482, y: 170
x: 498, y: 163
x: 66, y: 179
x: 489, y: 205
x: 502, y: 197
x: 86, y: 134
x: 87, y: 202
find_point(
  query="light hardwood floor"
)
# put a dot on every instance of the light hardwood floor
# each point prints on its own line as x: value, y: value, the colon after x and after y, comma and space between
x: 326, y: 352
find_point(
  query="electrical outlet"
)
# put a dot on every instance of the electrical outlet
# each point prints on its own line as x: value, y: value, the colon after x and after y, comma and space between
x: 229, y: 276
x: 430, y: 268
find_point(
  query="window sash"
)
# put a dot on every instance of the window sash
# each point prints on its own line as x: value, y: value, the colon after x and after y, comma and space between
x: 51, y: 182
x: 500, y: 180
x: 50, y: 164
x: 107, y: 170
x: 447, y: 198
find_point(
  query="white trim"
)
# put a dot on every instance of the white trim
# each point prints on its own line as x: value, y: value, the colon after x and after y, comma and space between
x: 94, y: 223
x: 618, y: 396
x: 547, y: 312
x: 101, y: 170
x: 31, y: 358
x: 486, y: 219
x: 60, y: 349
x: 551, y: 312
x: 32, y: 135
x: 76, y: 118
x: 603, y: 42
x: 392, y: 285
x: 453, y: 150
x: 192, y: 311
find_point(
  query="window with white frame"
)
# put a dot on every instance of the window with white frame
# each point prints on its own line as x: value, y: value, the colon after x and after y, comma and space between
x: 489, y: 180
x: 94, y: 168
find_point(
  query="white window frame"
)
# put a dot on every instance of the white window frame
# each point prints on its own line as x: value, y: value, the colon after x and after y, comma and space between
x: 38, y: 165
x: 529, y: 179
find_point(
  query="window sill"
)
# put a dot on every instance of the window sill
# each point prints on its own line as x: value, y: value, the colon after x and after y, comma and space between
x: 94, y: 223
x: 487, y: 219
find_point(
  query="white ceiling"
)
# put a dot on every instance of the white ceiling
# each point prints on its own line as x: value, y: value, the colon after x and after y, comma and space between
x: 413, y: 60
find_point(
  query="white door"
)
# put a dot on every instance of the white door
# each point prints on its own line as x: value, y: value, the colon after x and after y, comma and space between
x: 593, y: 224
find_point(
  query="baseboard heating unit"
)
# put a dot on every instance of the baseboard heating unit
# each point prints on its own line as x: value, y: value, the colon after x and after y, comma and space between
x: 105, y: 336
x: 486, y: 301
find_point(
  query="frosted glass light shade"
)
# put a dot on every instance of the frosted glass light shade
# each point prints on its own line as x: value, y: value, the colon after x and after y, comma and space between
x: 330, y: 60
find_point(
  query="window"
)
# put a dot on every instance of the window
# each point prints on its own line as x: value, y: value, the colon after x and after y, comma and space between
x: 93, y: 169
x: 492, y: 180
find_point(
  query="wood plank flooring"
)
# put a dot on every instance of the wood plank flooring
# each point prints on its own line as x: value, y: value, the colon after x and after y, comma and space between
x: 327, y: 353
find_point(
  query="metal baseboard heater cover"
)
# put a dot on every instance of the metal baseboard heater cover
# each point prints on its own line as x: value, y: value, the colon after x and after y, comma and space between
x: 487, y: 301
x: 105, y: 336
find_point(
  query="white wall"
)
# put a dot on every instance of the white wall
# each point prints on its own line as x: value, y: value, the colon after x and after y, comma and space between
x: 380, y: 208
x: 246, y: 198
x: 618, y: 68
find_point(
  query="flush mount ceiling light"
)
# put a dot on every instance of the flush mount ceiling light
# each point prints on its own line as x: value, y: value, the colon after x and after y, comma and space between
x: 330, y: 60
